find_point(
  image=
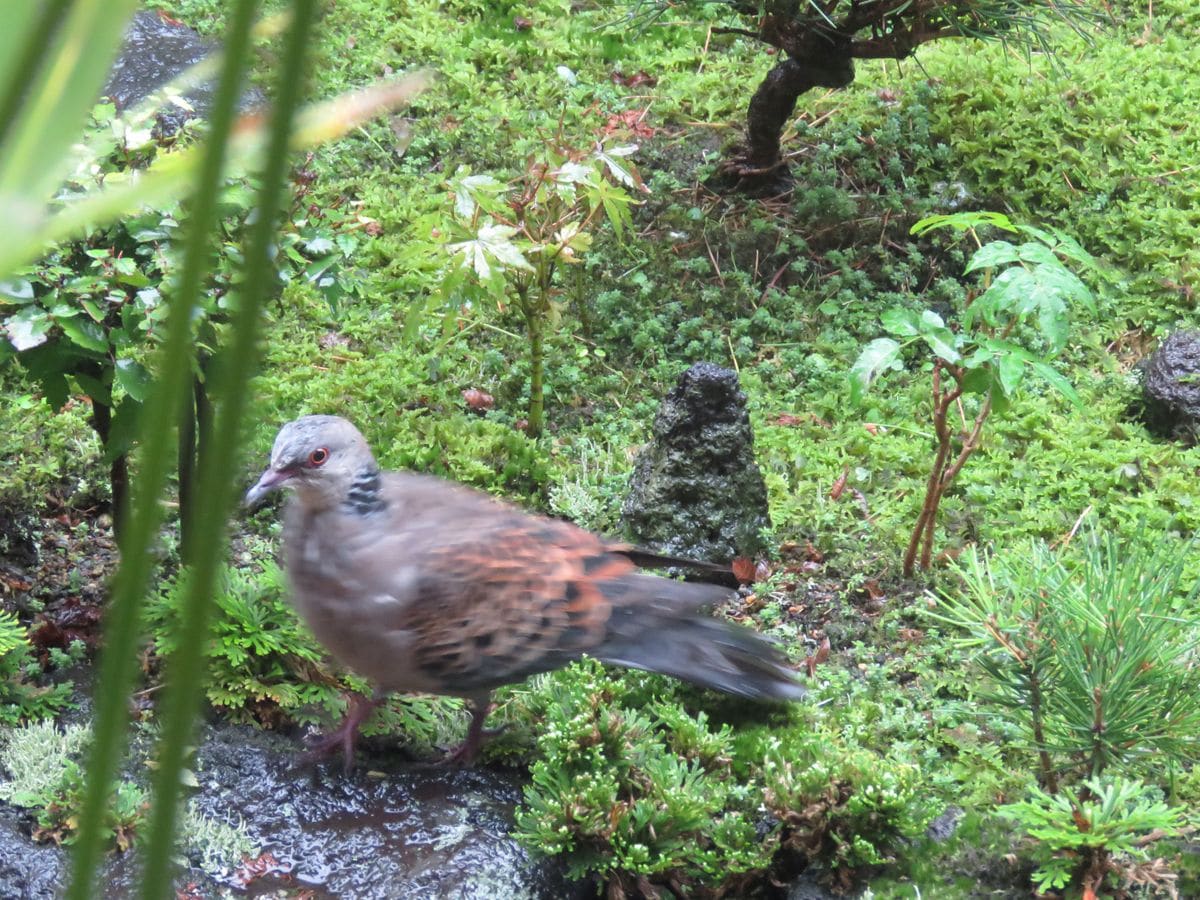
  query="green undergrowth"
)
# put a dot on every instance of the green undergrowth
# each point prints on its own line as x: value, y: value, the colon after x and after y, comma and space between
x: 26, y: 694
x: 632, y: 783
x: 1109, y: 154
x: 40, y: 773
x: 67, y: 463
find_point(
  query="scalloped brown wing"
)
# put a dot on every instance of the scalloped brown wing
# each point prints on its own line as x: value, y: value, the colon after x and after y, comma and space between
x: 526, y: 596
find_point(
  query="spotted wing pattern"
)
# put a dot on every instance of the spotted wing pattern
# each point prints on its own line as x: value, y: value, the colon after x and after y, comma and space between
x: 526, y: 595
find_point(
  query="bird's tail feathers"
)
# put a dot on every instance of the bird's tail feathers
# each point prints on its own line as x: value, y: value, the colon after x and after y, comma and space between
x: 686, y: 643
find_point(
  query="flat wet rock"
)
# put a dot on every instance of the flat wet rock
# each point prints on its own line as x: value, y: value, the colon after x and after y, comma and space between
x: 420, y: 832
x: 409, y: 831
x: 27, y: 870
x: 156, y: 50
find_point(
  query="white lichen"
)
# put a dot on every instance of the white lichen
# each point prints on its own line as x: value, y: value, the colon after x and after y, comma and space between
x: 215, y: 846
x: 34, y: 756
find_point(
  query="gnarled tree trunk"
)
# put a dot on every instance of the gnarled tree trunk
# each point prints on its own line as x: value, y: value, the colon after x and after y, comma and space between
x: 814, y: 59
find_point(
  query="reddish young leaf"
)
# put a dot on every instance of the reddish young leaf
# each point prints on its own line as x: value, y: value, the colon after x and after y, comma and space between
x: 630, y: 120
x: 835, y: 492
x: 815, y: 659
x: 743, y: 569
x: 252, y: 870
x: 635, y: 80
x: 477, y: 400
x: 785, y: 419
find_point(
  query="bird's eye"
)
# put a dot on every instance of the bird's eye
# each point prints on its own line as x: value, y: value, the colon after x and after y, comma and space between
x: 318, y: 457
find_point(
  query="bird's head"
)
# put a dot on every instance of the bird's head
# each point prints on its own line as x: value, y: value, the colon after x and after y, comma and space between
x: 319, y: 457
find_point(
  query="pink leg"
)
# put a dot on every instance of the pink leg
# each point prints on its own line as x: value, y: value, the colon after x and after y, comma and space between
x: 466, y: 753
x: 345, y: 735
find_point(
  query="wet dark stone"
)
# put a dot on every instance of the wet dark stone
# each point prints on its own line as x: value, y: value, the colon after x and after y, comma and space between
x: 945, y: 826
x: 696, y: 491
x: 155, y: 51
x: 422, y: 832
x: 409, y: 831
x: 27, y: 870
x: 1171, y: 387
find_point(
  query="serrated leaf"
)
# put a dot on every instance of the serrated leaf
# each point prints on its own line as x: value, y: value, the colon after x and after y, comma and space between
x: 1057, y: 381
x: 900, y: 322
x: 492, y: 246
x: 930, y: 319
x: 572, y: 172
x: 978, y: 380
x: 93, y: 309
x: 133, y: 378
x: 990, y: 256
x: 942, y: 341
x: 615, y: 202
x: 1069, y: 248
x: 1037, y: 254
x: 1001, y: 402
x: 612, y: 158
x: 963, y: 221
x: 1066, y: 283
x: 84, y: 333
x: 319, y: 246
x: 879, y: 355
x: 18, y: 289
x: 1003, y: 298
x: 1040, y: 233
x: 468, y: 191
x: 1010, y: 369
x: 573, y: 242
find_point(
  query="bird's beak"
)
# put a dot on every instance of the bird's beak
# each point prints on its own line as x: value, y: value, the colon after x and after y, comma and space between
x: 271, y: 480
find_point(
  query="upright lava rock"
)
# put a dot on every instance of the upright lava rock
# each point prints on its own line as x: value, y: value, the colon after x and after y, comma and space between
x: 696, y: 491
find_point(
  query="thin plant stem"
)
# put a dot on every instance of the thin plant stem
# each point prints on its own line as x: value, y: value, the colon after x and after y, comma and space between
x: 1049, y: 779
x: 214, y: 485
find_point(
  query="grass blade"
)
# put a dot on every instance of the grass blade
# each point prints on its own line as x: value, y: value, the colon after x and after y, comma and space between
x: 118, y: 663
x: 215, y: 485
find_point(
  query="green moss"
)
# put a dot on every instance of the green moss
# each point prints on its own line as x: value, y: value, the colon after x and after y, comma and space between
x: 1104, y: 146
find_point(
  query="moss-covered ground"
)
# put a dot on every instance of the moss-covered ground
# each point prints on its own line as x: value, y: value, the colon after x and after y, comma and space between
x: 646, y: 783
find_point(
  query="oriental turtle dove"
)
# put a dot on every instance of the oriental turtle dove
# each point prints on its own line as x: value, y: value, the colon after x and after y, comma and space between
x: 422, y: 585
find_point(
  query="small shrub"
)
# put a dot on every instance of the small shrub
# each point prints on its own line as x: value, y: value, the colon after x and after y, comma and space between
x: 1095, y: 833
x: 509, y: 242
x: 263, y: 663
x: 1092, y: 660
x: 45, y: 776
x: 632, y: 785
x: 1013, y: 327
x: 21, y: 698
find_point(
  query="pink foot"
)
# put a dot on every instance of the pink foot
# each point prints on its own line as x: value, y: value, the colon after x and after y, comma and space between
x: 467, y: 752
x: 345, y: 736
